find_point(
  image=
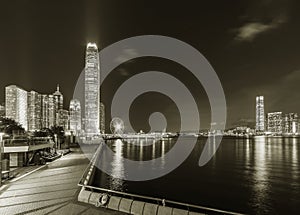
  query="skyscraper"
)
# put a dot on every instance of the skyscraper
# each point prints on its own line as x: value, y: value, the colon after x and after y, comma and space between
x: 92, y: 90
x: 59, y: 99
x: 275, y: 122
x: 75, y: 116
x: 291, y: 123
x: 16, y: 104
x: 2, y: 111
x: 45, y: 111
x: 260, y: 114
x: 62, y: 119
x: 102, y: 118
x: 52, y: 110
x: 34, y: 111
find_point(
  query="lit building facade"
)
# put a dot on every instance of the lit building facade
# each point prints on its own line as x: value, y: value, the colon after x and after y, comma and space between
x: 102, y: 118
x: 52, y: 110
x: 2, y: 111
x: 62, y: 119
x: 260, y: 114
x: 274, y: 122
x: 291, y: 124
x: 75, y: 116
x: 45, y: 111
x: 34, y: 108
x: 59, y: 99
x: 16, y: 105
x: 92, y: 90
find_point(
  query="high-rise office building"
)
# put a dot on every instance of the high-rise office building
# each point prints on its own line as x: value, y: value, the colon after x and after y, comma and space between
x: 274, y: 122
x: 16, y: 104
x: 59, y: 99
x: 260, y: 114
x: 102, y: 118
x: 45, y: 111
x: 34, y: 108
x: 62, y: 119
x: 52, y: 110
x: 291, y: 123
x: 2, y: 111
x: 75, y: 116
x: 92, y: 90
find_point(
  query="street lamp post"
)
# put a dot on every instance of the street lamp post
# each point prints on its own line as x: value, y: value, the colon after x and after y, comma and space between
x: 55, y: 140
x: 1, y: 152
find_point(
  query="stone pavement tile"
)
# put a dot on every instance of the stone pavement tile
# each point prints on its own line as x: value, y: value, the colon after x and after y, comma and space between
x: 37, y: 197
x: 102, y: 211
x: 22, y: 208
x: 37, y: 190
x: 24, y: 170
x: 46, y: 172
x: 42, y: 184
x: 70, y: 209
x: 46, y: 210
x: 51, y: 176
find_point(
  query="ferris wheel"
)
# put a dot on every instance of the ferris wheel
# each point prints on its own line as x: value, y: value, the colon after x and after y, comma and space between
x: 117, y: 126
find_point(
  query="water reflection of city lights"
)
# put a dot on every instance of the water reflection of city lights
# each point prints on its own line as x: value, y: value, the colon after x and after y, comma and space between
x: 117, y: 167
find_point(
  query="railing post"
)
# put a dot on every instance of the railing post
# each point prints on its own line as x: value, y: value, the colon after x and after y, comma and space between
x: 1, y: 151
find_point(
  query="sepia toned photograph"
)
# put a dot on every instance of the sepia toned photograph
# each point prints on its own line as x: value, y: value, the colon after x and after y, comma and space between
x: 149, y: 107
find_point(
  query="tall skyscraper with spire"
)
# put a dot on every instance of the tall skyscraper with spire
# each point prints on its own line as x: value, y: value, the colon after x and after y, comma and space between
x: 92, y: 90
x: 59, y: 99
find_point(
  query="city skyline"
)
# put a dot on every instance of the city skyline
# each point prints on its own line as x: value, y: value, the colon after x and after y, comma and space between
x: 252, y: 33
x: 33, y: 111
x: 150, y: 107
x: 48, y: 110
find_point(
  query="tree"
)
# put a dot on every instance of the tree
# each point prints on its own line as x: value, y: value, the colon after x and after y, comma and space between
x: 59, y: 132
x: 9, y: 126
x: 44, y: 132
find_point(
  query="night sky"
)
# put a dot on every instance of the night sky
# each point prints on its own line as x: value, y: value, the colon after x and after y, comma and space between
x: 254, y: 46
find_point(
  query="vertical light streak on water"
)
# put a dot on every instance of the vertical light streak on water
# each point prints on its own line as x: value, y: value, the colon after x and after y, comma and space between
x: 211, y: 148
x: 260, y: 175
x: 141, y: 149
x: 295, y: 162
x: 247, y: 153
x: 153, y: 149
x: 163, y: 148
x: 117, y: 167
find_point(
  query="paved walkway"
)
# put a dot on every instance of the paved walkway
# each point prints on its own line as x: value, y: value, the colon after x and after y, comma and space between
x: 50, y: 190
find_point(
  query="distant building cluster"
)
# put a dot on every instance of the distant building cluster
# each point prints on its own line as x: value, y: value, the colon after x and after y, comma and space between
x: 275, y: 123
x: 35, y: 111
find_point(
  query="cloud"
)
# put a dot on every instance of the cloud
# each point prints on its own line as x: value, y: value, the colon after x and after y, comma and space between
x: 251, y: 30
x: 126, y: 54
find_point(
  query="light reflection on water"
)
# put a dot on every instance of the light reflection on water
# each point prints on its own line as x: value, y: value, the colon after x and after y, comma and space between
x: 261, y: 154
x: 295, y: 161
x: 256, y: 176
x: 118, y: 167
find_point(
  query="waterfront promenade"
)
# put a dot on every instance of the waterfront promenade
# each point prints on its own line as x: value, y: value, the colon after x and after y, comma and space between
x: 51, y: 189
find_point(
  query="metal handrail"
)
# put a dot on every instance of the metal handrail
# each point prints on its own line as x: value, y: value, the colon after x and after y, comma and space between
x: 89, y: 165
x: 160, y: 200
